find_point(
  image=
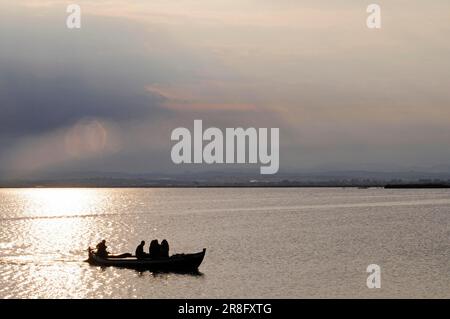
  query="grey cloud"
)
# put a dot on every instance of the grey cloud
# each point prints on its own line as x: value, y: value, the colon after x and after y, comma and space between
x: 32, y: 103
x: 51, y: 77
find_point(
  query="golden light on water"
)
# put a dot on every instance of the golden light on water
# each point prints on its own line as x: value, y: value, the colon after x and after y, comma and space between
x: 54, y: 227
x: 54, y: 223
x: 53, y: 202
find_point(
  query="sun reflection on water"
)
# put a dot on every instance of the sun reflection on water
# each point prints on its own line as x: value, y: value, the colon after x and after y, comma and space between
x: 54, y: 202
x: 52, y: 229
x: 45, y: 234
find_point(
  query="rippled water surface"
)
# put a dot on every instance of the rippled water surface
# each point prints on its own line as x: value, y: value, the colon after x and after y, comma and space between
x: 276, y: 243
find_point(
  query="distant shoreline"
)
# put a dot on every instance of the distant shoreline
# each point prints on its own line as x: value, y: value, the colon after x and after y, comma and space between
x: 416, y: 186
x: 362, y: 187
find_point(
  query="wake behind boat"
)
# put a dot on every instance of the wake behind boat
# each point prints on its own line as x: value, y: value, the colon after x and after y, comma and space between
x: 177, y: 262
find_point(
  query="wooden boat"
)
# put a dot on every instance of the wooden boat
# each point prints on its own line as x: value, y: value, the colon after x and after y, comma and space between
x: 176, y: 263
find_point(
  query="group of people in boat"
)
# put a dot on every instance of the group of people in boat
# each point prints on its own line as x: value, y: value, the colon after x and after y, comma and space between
x: 156, y: 250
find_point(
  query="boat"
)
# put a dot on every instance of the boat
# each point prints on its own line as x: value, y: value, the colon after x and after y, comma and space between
x: 174, y: 263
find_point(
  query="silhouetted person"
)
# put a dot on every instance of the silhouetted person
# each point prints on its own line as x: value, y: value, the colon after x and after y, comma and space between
x: 164, y: 248
x: 140, y: 251
x: 101, y: 249
x: 154, y: 249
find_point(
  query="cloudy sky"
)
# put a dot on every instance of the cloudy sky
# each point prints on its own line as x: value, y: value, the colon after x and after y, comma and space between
x: 107, y: 96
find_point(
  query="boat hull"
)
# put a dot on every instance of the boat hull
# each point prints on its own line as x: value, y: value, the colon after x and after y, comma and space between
x: 176, y: 263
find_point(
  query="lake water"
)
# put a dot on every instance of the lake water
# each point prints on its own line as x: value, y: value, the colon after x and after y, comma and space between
x: 272, y: 242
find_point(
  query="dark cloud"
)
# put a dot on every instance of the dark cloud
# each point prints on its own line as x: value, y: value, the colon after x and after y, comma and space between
x: 31, y: 103
x: 51, y: 77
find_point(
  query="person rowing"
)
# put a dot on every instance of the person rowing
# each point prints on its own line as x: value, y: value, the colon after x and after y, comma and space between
x: 101, y: 249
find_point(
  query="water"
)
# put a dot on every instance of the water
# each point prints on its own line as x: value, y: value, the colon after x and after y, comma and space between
x: 274, y: 243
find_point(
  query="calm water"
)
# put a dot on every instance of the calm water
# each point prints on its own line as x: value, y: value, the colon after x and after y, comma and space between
x: 260, y: 242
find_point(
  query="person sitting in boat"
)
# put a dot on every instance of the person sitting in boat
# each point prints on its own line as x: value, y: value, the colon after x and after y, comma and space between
x: 101, y: 249
x: 164, y: 249
x: 140, y: 254
x: 154, y: 249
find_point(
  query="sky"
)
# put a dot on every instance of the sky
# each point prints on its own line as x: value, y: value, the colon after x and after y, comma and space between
x: 106, y: 97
